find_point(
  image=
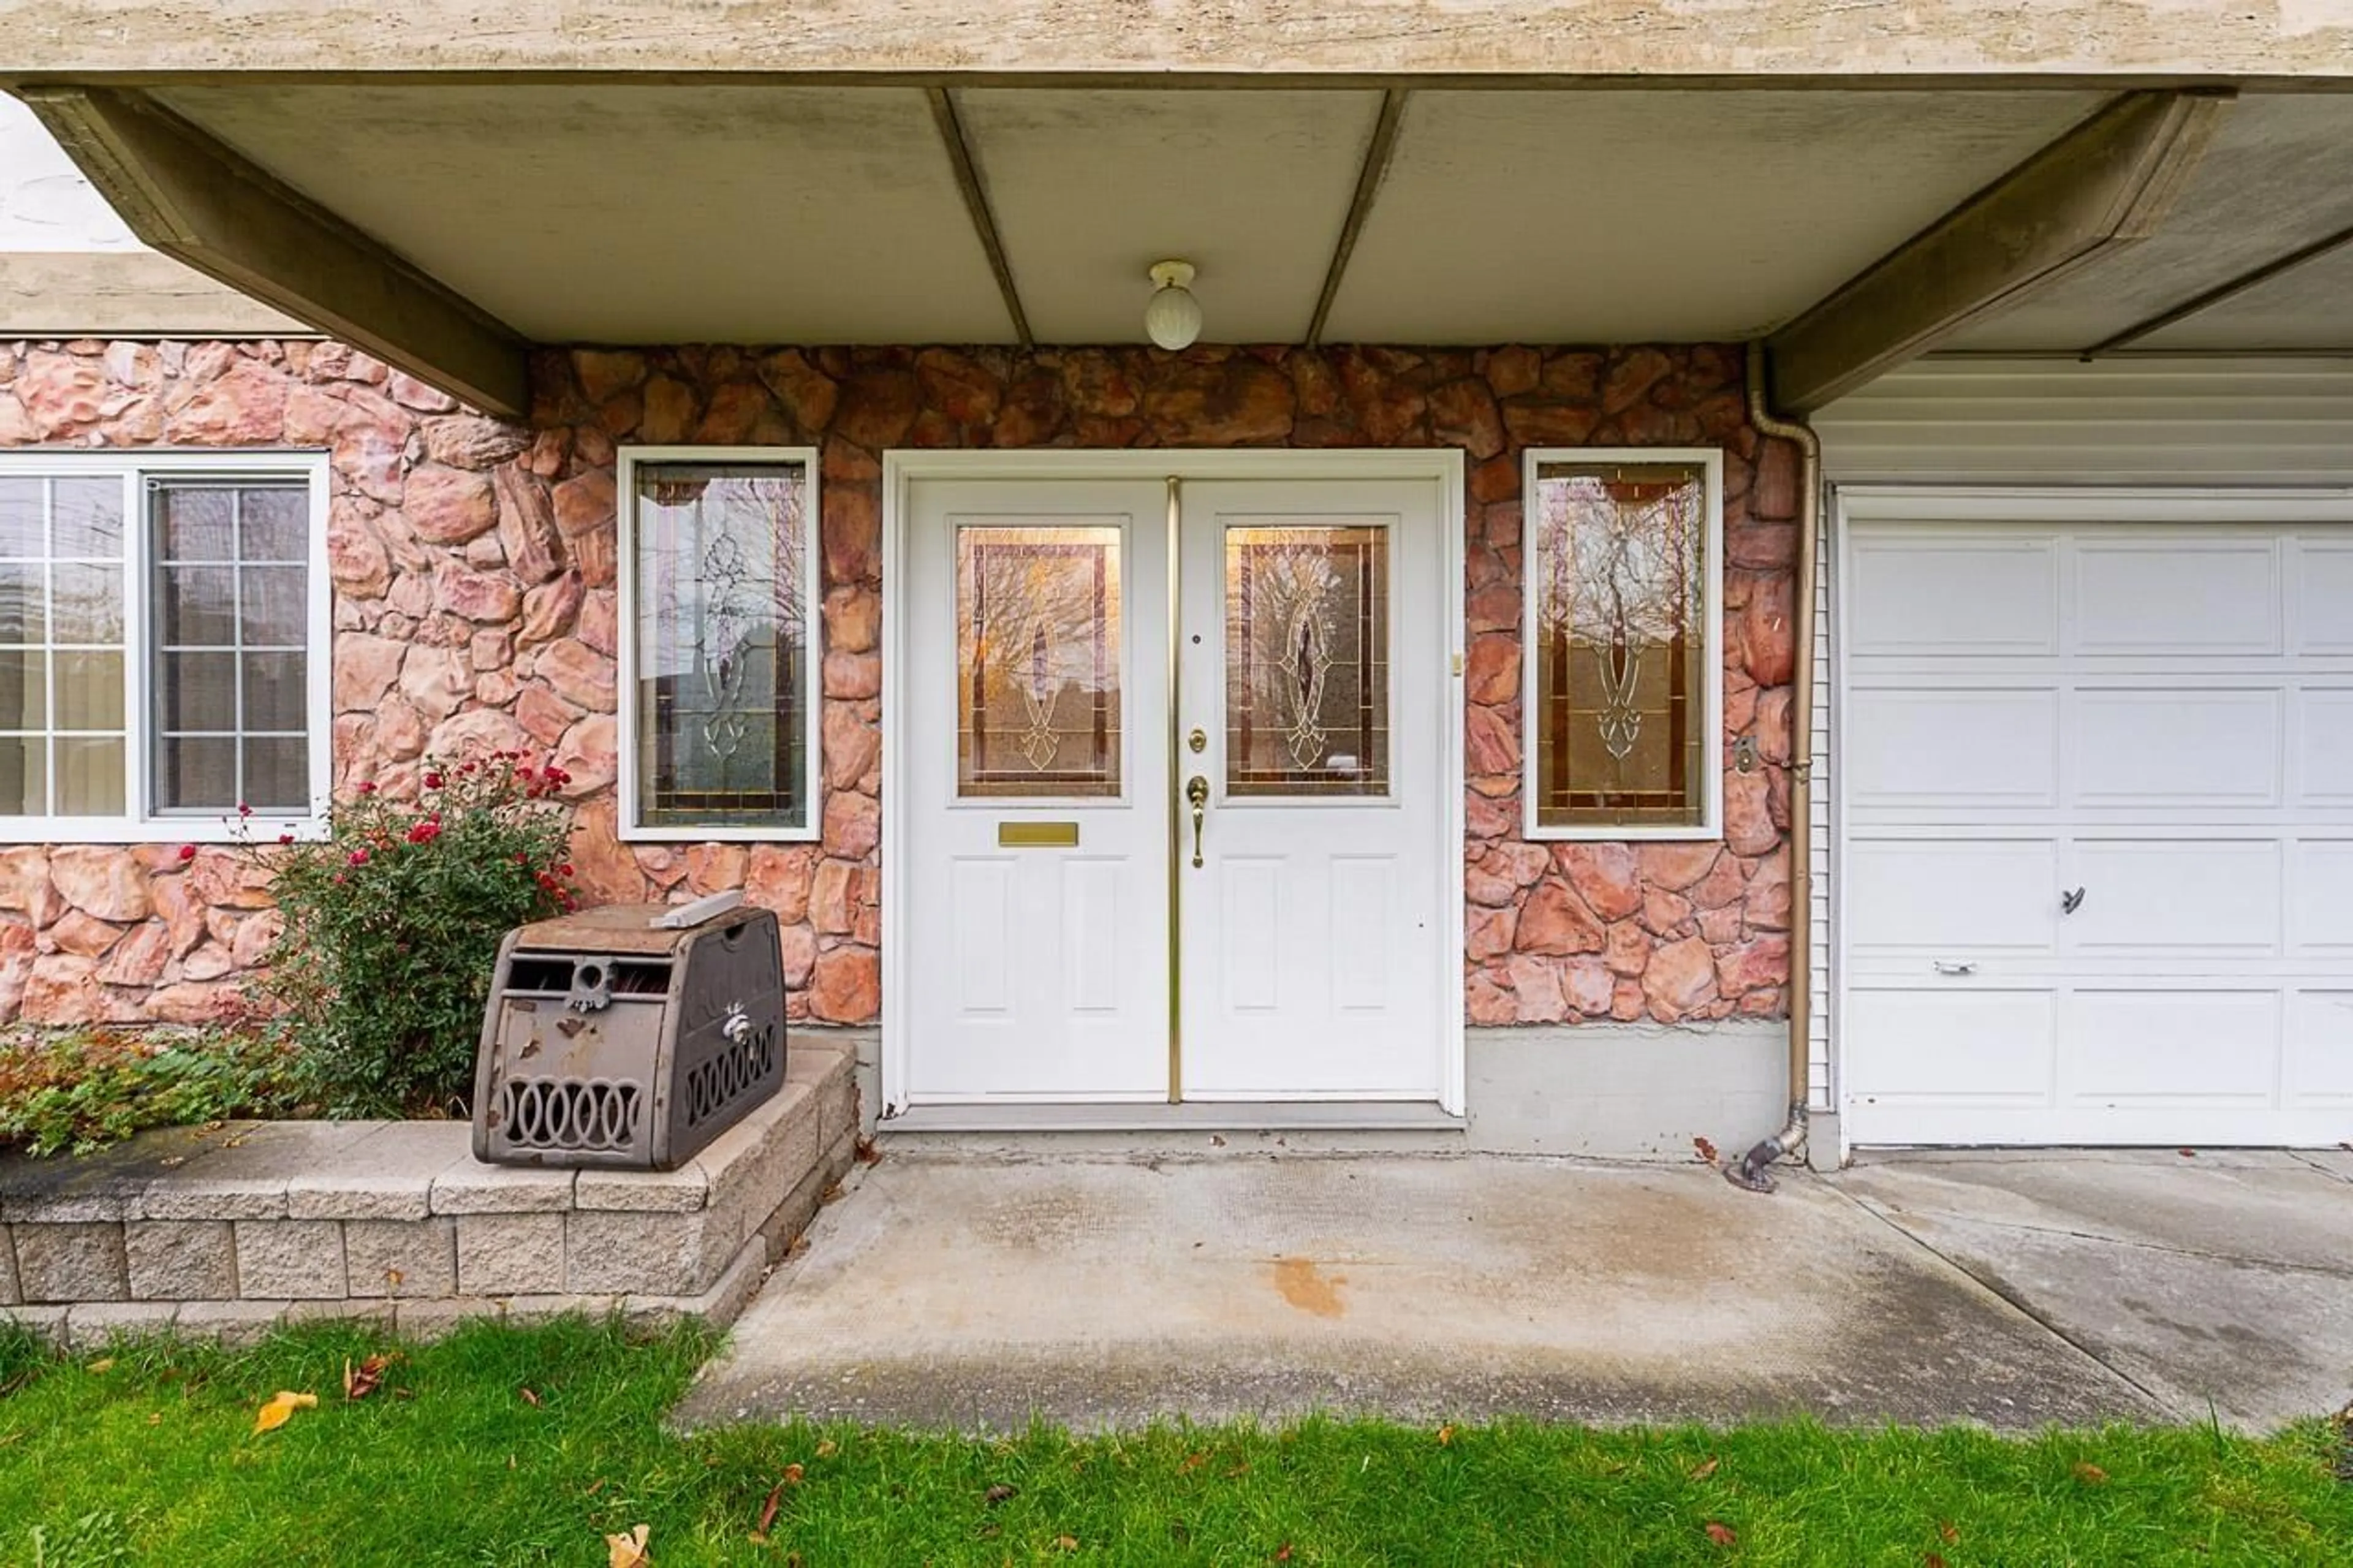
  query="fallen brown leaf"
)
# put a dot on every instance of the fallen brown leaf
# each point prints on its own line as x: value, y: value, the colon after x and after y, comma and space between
x: 280, y: 1410
x: 1446, y: 1436
x: 768, y: 1515
x: 1722, y: 1534
x: 1932, y: 1561
x: 102, y: 1365
x: 628, y: 1550
x: 529, y: 1397
x: 2188, y: 1154
x: 1192, y: 1462
x: 363, y: 1380
x: 1242, y: 1468
x: 828, y: 1449
x: 832, y: 1195
x: 1066, y: 1543
x: 1705, y: 1468
x: 2091, y: 1475
x: 1704, y: 1150
x: 1282, y: 1552
x: 867, y: 1152
x: 156, y: 1419
x: 1947, y: 1532
x: 999, y: 1493
x: 595, y: 1487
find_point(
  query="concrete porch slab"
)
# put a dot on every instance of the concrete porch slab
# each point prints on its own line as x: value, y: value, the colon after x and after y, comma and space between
x: 1098, y: 1291
x: 2226, y: 1278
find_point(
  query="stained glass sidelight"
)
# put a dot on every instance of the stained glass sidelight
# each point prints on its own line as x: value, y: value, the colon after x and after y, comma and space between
x: 1037, y: 689
x: 1307, y: 679
x: 1619, y: 568
x: 720, y: 595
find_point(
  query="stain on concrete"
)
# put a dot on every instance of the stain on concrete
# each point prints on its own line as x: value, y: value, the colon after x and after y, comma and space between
x: 1309, y: 1289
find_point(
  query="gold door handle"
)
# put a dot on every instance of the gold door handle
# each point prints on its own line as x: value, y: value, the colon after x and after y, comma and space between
x: 1196, y: 793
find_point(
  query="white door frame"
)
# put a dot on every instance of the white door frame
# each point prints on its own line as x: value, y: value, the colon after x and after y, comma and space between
x: 901, y: 467
x: 1927, y: 500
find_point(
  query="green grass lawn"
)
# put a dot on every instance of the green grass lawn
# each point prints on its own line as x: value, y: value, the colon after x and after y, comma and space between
x: 149, y: 1456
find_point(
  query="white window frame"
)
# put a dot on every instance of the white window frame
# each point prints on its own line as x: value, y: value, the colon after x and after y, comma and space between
x: 140, y: 823
x: 633, y: 828
x: 1710, y: 827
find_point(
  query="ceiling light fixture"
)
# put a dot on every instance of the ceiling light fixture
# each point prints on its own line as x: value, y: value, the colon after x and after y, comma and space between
x: 1172, y: 318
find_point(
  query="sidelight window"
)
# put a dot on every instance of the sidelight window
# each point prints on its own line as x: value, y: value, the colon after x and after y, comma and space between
x: 1623, y: 665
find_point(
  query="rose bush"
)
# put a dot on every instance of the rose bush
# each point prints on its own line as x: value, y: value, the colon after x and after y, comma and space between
x: 393, y: 922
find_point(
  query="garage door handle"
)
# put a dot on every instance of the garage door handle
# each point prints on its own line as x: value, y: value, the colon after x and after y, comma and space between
x: 2070, y: 903
x: 1944, y: 967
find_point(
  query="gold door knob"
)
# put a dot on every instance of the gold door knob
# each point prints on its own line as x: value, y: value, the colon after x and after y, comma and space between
x: 1197, y: 793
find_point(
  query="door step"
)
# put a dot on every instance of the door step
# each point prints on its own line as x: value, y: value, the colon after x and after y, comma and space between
x: 1197, y: 1126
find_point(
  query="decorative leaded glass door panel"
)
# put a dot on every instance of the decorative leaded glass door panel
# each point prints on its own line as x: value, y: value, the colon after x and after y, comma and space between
x: 1310, y: 962
x: 1038, y: 812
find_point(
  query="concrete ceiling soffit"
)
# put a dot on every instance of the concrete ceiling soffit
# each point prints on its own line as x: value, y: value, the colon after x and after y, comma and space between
x: 188, y: 197
x: 2107, y: 184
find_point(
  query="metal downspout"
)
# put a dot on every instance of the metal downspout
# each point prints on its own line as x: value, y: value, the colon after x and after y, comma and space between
x: 1750, y: 1170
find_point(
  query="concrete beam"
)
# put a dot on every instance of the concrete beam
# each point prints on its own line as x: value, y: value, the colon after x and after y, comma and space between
x: 2106, y: 184
x: 125, y: 294
x: 2120, y: 42
x: 198, y: 202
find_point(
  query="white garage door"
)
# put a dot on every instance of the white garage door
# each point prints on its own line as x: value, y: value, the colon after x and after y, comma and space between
x: 2096, y: 876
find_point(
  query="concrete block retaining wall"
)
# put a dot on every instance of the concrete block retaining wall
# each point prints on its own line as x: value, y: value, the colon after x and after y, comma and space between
x: 229, y: 1231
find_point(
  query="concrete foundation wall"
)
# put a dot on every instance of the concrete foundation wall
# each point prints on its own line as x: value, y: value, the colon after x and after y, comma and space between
x: 1626, y: 1090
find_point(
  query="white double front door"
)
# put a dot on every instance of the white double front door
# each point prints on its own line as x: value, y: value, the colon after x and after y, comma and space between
x: 1175, y: 841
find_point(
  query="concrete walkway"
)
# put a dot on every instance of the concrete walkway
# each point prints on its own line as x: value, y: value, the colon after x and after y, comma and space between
x: 974, y: 1291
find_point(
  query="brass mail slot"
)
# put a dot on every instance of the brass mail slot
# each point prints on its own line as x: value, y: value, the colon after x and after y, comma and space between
x: 1036, y: 835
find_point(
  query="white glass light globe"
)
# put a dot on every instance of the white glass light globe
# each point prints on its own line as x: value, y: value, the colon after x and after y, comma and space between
x: 1172, y: 318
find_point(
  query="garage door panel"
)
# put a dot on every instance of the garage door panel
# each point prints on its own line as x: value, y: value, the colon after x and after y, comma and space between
x: 2176, y: 898
x: 2320, y: 911
x: 1962, y: 1045
x: 1914, y: 749
x: 2161, y: 714
x: 2175, y: 594
x: 2179, y: 749
x: 1951, y: 897
x: 2186, y: 1047
x: 2324, y: 598
x: 2318, y: 1071
x: 1955, y: 596
x: 2324, y: 727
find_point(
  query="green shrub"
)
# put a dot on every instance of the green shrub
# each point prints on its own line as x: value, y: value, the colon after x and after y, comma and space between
x: 82, y: 1088
x: 392, y: 923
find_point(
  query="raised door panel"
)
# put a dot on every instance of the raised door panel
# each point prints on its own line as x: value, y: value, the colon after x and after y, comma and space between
x: 2176, y: 596
x: 2177, y: 1046
x: 1957, y: 1045
x: 2176, y: 749
x: 1950, y: 896
x: 2176, y: 900
x: 1909, y: 749
x: 1953, y: 596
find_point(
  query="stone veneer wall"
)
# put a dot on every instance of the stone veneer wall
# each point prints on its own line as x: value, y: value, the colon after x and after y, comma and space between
x: 473, y: 566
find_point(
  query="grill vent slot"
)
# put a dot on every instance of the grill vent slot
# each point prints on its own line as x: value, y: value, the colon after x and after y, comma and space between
x: 593, y: 1113
x: 745, y: 1065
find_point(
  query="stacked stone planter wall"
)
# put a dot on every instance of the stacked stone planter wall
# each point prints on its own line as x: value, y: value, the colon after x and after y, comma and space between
x: 474, y: 568
x: 232, y: 1231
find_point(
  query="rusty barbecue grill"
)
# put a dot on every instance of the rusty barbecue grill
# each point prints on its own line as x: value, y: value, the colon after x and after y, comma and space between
x: 629, y: 1036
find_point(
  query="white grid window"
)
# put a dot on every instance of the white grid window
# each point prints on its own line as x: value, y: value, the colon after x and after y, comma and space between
x: 163, y: 645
